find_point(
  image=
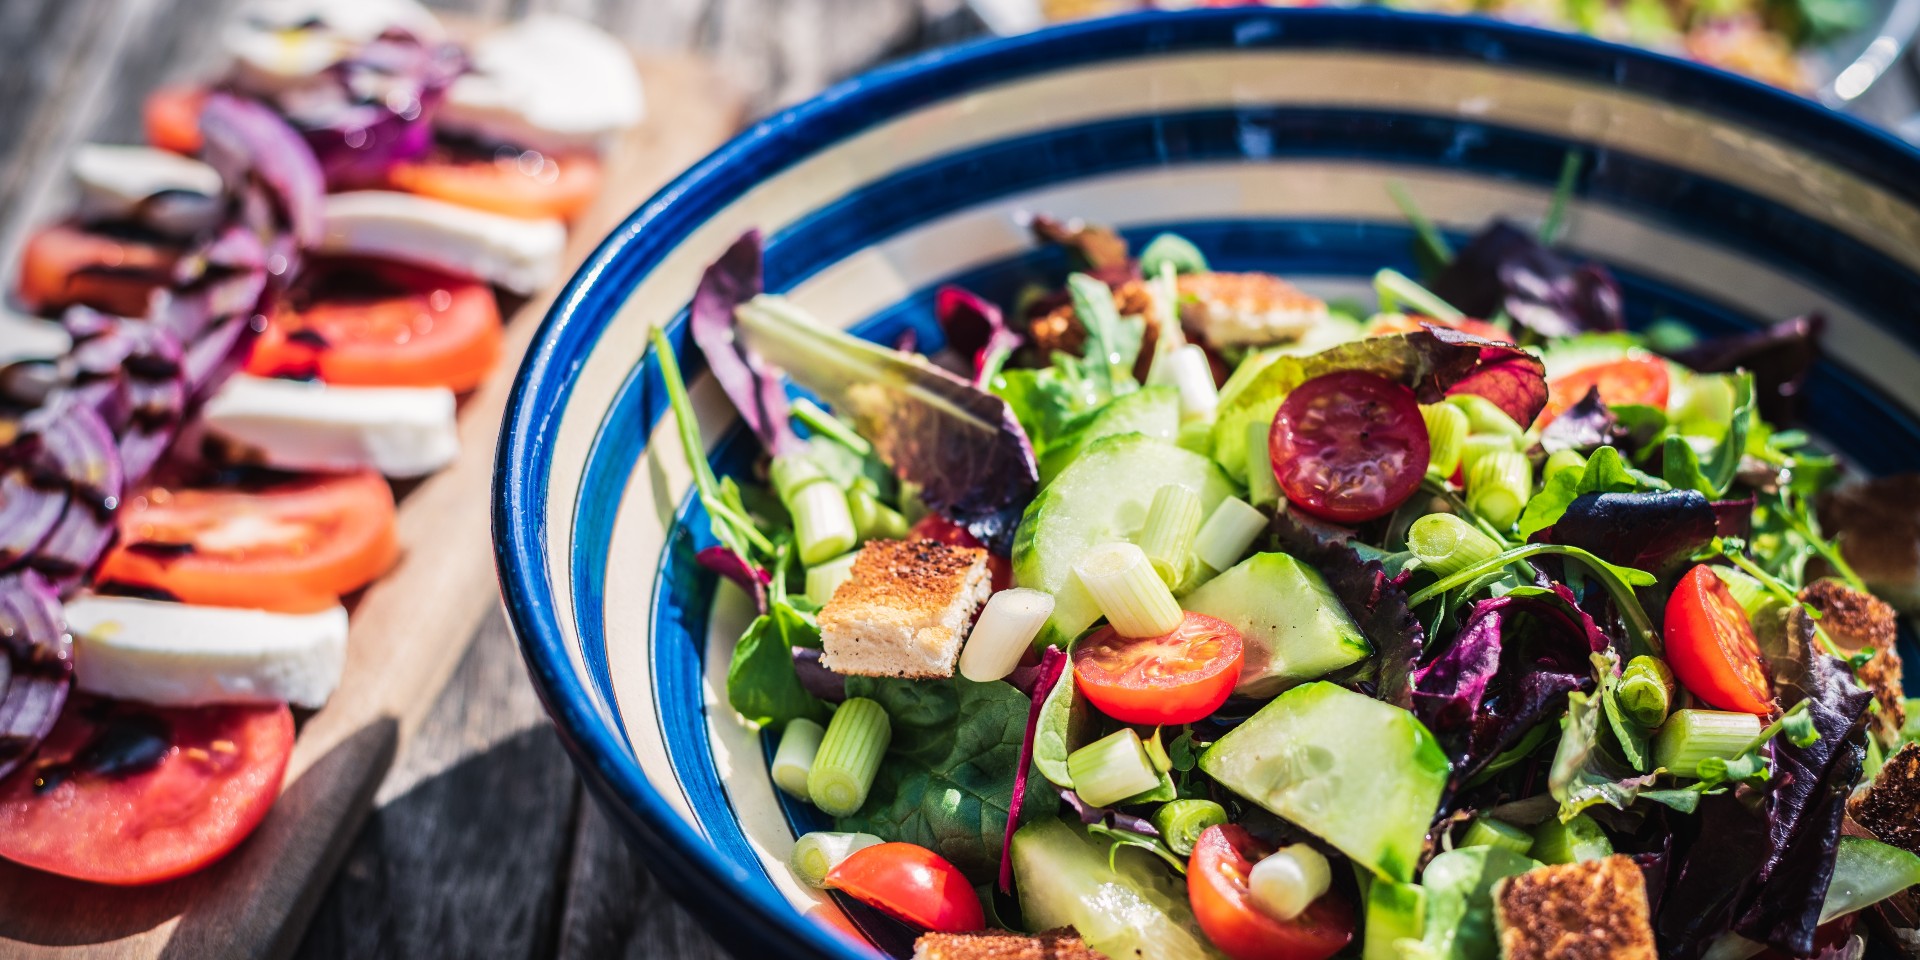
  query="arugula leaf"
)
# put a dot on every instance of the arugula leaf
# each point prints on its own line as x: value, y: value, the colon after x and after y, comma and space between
x: 1680, y: 466
x: 1725, y: 464
x: 1584, y: 773
x: 1606, y: 472
x: 947, y: 778
x: 1112, y: 343
x: 762, y: 685
x: 1631, y: 737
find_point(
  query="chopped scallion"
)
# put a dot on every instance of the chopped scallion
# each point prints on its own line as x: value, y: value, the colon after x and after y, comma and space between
x: 1193, y: 376
x: 816, y: 854
x: 1125, y: 587
x: 1487, y: 832
x: 1111, y: 769
x: 1692, y: 736
x: 1578, y: 839
x: 1223, y: 540
x: 1181, y: 822
x: 1498, y: 487
x: 849, y: 757
x: 827, y: 425
x: 1485, y: 416
x: 1447, y: 429
x: 793, y: 759
x: 1263, y: 488
x: 1646, y: 690
x: 1006, y: 628
x: 1561, y: 460
x: 823, y: 579
x: 1447, y: 544
x: 1173, y: 520
x: 874, y: 520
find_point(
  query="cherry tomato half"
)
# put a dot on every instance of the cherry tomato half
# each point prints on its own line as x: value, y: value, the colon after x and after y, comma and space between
x: 1217, y: 873
x: 913, y: 884
x: 941, y: 530
x: 1349, y: 446
x: 1177, y: 677
x: 381, y: 324
x: 1711, y: 646
x: 1641, y: 381
x: 1391, y: 323
x: 125, y: 793
x: 525, y: 184
x: 295, y: 547
x: 62, y: 265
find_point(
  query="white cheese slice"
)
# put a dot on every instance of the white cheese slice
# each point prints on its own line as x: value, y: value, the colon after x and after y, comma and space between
x: 176, y: 655
x: 116, y: 183
x: 549, y: 82
x: 281, y: 44
x: 31, y: 338
x: 295, y: 425
x: 518, y: 255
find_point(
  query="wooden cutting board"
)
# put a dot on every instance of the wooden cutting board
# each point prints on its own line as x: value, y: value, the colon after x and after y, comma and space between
x: 409, y: 632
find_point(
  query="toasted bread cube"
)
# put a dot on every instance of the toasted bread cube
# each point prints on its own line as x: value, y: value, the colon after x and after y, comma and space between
x: 1591, y: 910
x: 1890, y: 806
x: 1861, y: 621
x: 905, y: 609
x: 1247, y: 309
x: 997, y: 945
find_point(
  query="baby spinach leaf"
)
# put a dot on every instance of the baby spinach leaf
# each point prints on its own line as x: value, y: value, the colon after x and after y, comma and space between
x: 1459, y: 885
x: 1067, y: 723
x: 948, y: 774
x: 762, y: 684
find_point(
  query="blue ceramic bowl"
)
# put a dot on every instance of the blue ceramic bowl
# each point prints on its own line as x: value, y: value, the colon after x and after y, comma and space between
x: 1266, y: 136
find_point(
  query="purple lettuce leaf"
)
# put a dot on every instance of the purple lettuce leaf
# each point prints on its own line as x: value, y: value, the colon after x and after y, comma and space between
x: 39, y: 656
x: 1053, y: 663
x: 379, y: 109
x: 1507, y: 269
x: 816, y: 678
x: 1734, y: 518
x: 1584, y: 426
x: 974, y: 328
x: 734, y: 567
x: 1510, y: 666
x: 1758, y: 862
x: 1655, y: 532
x: 752, y: 384
x: 962, y: 445
x: 245, y: 139
x: 1107, y: 816
x: 1780, y: 358
x: 1376, y: 601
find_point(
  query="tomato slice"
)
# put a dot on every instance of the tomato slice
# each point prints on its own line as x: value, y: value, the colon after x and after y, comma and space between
x: 1641, y: 381
x: 63, y: 264
x: 913, y: 884
x: 1217, y: 887
x: 1349, y: 446
x: 525, y: 184
x: 1711, y: 646
x: 172, y: 116
x: 296, y: 546
x: 382, y: 324
x: 941, y: 530
x: 1177, y: 677
x: 124, y: 793
x: 1387, y: 324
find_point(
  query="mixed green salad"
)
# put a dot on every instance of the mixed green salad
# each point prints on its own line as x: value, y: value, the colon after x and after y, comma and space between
x: 1183, y: 614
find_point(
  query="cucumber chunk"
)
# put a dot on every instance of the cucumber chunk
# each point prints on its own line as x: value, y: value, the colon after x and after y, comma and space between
x: 1395, y: 912
x: 1295, y: 628
x: 1102, y: 497
x: 1151, y: 411
x: 1363, y: 775
x: 1129, y: 906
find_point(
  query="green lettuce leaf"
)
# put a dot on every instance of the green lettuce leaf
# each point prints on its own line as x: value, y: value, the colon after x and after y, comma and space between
x: 762, y: 685
x: 1607, y: 472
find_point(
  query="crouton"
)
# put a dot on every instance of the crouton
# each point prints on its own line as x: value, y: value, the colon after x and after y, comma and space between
x: 1890, y: 806
x: 1247, y: 309
x: 1878, y: 531
x: 904, y: 610
x: 1592, y: 910
x: 1061, y: 330
x: 1860, y: 621
x: 995, y: 945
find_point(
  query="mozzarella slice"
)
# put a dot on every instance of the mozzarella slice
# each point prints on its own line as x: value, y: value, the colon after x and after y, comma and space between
x: 31, y: 338
x: 176, y: 655
x: 295, y: 425
x: 281, y: 44
x: 176, y: 195
x: 518, y: 255
x: 549, y: 83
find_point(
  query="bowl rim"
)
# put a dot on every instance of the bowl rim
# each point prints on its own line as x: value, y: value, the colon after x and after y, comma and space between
x: 704, y: 882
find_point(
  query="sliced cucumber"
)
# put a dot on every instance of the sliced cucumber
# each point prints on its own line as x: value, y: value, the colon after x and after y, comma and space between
x: 1151, y: 411
x: 1363, y: 775
x: 1295, y: 628
x: 1128, y: 905
x: 1101, y: 498
x: 1395, y: 912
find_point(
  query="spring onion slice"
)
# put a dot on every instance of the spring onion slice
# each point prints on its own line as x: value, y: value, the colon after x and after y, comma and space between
x: 1488, y: 832
x: 1447, y: 544
x: 1111, y: 769
x: 793, y: 760
x: 1181, y: 822
x: 1173, y: 520
x: 1006, y: 628
x: 1127, y: 590
x: 823, y: 579
x: 1498, y: 486
x: 1223, y: 540
x: 816, y: 854
x: 849, y: 757
x: 1692, y: 736
x: 1447, y: 429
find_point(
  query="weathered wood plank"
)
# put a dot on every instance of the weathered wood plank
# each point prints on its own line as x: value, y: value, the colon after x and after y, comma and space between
x: 616, y: 908
x: 467, y: 853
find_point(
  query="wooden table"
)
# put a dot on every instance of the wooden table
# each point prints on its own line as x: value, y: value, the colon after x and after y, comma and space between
x: 483, y: 844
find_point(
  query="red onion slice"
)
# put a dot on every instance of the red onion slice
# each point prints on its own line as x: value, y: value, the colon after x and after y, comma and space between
x: 244, y: 137
x: 1053, y: 664
x: 27, y: 514
x: 40, y: 661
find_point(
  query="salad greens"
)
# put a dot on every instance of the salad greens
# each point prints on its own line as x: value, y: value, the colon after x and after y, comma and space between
x: 1378, y: 668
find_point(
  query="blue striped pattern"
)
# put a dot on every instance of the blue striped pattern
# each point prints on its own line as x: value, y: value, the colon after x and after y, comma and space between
x: 720, y: 873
